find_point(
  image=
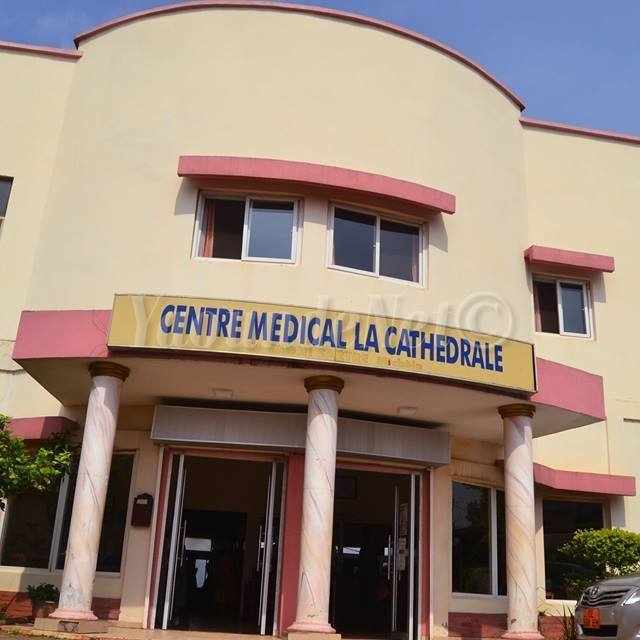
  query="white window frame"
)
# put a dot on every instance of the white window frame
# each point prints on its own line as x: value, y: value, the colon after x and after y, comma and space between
x: 379, y: 217
x: 493, y: 549
x: 588, y: 311
x: 246, y: 226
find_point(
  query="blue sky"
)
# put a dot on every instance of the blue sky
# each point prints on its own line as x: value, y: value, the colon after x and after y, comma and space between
x: 573, y: 61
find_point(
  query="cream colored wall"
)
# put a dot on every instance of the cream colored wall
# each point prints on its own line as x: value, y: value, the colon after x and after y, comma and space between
x: 31, y: 114
x: 118, y: 218
x: 277, y: 85
x: 584, y: 195
x: 472, y: 462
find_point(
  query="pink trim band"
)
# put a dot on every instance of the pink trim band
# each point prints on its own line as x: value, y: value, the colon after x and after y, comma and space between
x: 309, y: 10
x: 46, y: 51
x: 581, y: 131
x: 41, y: 428
x: 570, y: 389
x: 316, y: 175
x: 536, y: 254
x: 62, y: 334
x: 601, y: 483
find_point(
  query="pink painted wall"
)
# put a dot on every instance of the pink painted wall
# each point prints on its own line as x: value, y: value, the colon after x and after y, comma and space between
x: 62, y: 334
x: 426, y: 545
x: 291, y: 541
x: 536, y: 254
x: 569, y: 388
x: 40, y: 428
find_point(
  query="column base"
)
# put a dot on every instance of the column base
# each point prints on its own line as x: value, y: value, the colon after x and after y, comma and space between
x: 73, y: 614
x: 319, y: 631
x: 71, y: 626
x: 312, y: 635
x: 522, y: 635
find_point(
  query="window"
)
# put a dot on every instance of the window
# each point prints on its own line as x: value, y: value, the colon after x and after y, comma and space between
x: 5, y: 192
x: 478, y: 535
x: 114, y: 521
x: 561, y: 519
x: 562, y: 306
x: 36, y: 525
x: 247, y: 229
x: 28, y: 529
x: 368, y: 243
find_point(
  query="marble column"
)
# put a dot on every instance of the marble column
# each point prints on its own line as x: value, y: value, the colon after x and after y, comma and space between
x: 76, y: 592
x: 522, y: 601
x: 312, y: 613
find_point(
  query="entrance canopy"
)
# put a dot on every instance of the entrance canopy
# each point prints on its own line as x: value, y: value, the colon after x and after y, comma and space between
x: 55, y: 347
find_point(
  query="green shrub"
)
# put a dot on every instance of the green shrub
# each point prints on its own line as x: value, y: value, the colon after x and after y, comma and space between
x: 23, y: 469
x: 44, y: 592
x: 569, y: 631
x: 607, y: 552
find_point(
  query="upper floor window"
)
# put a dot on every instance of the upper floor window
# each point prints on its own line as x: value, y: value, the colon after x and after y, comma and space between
x: 5, y: 191
x: 368, y: 243
x: 247, y: 229
x: 562, y: 306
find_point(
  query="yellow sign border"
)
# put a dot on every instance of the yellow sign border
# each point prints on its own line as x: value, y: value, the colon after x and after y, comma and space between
x: 136, y: 324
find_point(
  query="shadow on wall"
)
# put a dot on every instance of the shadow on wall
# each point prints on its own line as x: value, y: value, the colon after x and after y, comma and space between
x: 186, y: 198
x: 438, y: 237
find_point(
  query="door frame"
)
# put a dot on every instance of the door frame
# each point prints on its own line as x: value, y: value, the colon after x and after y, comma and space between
x: 159, y: 521
x: 423, y: 552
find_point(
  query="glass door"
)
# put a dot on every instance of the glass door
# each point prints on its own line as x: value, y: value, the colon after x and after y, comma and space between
x: 404, y: 558
x: 219, y: 564
x: 266, y: 550
x: 171, y: 525
x: 176, y: 549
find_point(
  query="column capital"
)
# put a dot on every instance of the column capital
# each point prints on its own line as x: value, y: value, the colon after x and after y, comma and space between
x: 106, y: 368
x: 324, y: 382
x: 517, y: 409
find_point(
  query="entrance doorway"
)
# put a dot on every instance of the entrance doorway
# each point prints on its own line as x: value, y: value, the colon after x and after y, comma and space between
x: 374, y: 574
x: 220, y: 553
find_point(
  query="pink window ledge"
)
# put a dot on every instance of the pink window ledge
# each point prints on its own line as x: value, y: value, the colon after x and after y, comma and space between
x: 547, y: 256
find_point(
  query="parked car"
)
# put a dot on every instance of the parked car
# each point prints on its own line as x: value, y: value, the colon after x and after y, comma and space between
x: 610, y: 609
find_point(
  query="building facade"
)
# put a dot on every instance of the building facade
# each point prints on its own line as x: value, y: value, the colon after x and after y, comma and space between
x: 342, y: 336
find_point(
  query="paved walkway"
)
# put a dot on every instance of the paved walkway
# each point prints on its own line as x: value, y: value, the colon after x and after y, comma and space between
x: 122, y: 633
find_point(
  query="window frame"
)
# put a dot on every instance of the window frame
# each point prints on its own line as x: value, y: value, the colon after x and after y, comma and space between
x: 3, y: 216
x: 54, y: 549
x: 53, y: 545
x: 247, y: 199
x: 493, y: 536
x: 379, y: 217
x: 588, y: 309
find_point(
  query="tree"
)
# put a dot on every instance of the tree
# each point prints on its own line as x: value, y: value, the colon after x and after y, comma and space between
x: 608, y: 552
x: 22, y: 469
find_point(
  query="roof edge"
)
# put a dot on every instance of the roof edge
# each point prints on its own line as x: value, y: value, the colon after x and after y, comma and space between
x: 71, y: 54
x: 311, y: 10
x: 581, y: 131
